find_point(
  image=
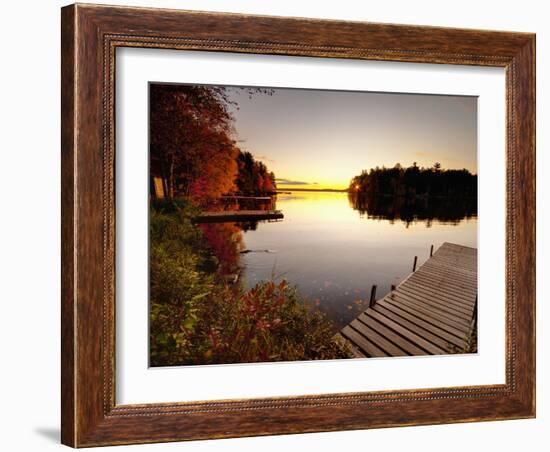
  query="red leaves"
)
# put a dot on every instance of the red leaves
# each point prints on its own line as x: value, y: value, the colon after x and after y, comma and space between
x: 262, y: 303
x: 262, y: 325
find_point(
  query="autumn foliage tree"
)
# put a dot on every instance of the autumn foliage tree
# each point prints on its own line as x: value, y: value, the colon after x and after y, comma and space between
x: 192, y: 149
x: 191, y: 146
x: 253, y: 177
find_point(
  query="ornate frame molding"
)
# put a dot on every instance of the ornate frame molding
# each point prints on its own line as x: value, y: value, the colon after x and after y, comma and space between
x: 90, y: 37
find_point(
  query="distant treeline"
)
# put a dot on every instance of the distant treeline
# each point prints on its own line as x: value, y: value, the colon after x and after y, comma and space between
x: 415, y: 181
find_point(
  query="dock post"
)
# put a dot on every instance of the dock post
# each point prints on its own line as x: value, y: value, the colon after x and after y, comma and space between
x: 372, y: 300
x: 431, y: 250
x: 414, y: 265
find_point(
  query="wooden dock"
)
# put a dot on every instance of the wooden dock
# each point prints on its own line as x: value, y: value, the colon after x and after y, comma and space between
x: 238, y: 215
x: 432, y: 312
x: 252, y: 198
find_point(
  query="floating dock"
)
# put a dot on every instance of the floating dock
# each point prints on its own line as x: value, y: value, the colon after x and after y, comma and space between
x: 432, y: 312
x: 238, y: 215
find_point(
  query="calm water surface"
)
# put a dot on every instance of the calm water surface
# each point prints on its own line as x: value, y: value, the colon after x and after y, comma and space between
x: 334, y: 251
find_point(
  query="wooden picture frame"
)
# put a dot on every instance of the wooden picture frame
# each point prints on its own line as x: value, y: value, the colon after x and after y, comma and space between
x: 90, y: 36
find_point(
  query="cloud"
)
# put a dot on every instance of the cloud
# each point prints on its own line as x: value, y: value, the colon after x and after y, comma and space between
x: 281, y: 181
x: 264, y: 158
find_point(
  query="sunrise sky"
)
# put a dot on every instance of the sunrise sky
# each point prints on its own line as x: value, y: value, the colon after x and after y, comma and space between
x: 321, y: 139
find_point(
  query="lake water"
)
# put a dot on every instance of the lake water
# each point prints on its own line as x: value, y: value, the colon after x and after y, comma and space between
x: 334, y: 248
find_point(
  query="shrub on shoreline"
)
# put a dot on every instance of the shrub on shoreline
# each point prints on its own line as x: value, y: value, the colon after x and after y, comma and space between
x: 196, y: 317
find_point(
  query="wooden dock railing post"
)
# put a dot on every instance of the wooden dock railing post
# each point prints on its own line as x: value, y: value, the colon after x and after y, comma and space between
x: 431, y: 250
x: 414, y: 265
x: 372, y: 300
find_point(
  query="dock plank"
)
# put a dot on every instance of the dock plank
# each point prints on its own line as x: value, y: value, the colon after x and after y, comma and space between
x: 451, y: 276
x: 429, y: 313
x: 381, y: 341
x: 418, y: 293
x: 440, y: 291
x: 439, y: 296
x: 401, y: 342
x: 359, y: 341
x: 434, y: 292
x: 432, y: 312
x: 438, y: 341
x: 449, y: 279
x: 458, y: 334
x: 357, y: 353
x: 433, y: 329
x: 407, y: 333
x: 445, y: 289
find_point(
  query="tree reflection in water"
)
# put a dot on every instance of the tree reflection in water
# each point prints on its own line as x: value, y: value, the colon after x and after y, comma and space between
x: 225, y: 240
x: 413, y: 209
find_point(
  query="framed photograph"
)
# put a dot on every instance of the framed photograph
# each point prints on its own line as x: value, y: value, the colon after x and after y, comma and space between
x: 281, y: 225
